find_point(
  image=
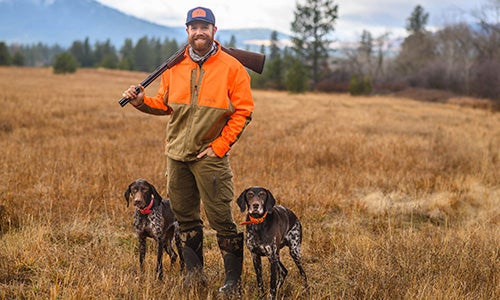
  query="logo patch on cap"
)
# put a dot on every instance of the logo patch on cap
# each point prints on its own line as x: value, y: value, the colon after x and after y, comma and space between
x: 199, y: 13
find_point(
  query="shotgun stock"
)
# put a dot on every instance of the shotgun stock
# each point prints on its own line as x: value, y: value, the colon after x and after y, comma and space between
x: 252, y: 60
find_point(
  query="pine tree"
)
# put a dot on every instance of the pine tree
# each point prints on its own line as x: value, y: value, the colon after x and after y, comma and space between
x: 18, y: 59
x: 127, y: 55
x: 313, y: 22
x: 5, y: 58
x: 274, y: 66
x: 418, y: 48
x: 416, y: 22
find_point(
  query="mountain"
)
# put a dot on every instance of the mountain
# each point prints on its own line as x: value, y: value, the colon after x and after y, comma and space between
x: 62, y: 22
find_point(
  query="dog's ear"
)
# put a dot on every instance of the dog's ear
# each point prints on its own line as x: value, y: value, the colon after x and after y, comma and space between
x: 127, y: 194
x: 242, y: 202
x: 270, y: 201
x: 154, y: 192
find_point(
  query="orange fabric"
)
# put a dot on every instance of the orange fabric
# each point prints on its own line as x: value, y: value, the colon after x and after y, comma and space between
x: 220, y: 89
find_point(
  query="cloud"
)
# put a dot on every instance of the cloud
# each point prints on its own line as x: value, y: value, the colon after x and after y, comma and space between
x: 378, y: 17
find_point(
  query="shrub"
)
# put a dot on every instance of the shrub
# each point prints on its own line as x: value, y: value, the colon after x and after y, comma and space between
x: 360, y: 87
x: 486, y: 80
x: 65, y: 63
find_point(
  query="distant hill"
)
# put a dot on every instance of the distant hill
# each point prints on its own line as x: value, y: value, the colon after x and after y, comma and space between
x: 64, y: 21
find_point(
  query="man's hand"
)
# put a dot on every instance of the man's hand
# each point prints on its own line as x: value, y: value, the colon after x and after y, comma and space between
x: 208, y: 152
x: 135, y: 98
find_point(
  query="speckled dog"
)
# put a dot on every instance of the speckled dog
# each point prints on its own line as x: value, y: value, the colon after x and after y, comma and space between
x: 268, y: 229
x: 154, y: 219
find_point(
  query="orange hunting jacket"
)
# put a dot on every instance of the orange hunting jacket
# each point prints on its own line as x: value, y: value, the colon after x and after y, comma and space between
x: 210, y: 106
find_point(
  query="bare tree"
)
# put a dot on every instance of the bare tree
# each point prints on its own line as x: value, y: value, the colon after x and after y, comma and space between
x: 486, y: 78
x: 456, y: 54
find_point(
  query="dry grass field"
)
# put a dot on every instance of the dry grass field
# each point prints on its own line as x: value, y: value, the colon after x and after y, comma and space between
x: 399, y: 199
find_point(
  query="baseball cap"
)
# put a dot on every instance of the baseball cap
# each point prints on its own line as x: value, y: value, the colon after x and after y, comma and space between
x: 200, y: 14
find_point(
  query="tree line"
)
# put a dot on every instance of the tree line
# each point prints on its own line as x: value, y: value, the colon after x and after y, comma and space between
x: 460, y: 57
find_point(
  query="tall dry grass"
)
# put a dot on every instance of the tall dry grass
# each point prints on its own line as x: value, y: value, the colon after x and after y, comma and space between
x: 399, y: 199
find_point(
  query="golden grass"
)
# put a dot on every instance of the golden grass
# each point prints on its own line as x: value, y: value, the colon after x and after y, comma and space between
x: 399, y: 199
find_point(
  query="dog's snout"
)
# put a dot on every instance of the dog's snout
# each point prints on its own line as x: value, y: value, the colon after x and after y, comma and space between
x: 137, y: 201
x: 255, y: 206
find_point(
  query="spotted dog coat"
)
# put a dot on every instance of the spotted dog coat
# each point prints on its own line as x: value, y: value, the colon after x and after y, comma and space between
x: 154, y: 218
x: 268, y: 229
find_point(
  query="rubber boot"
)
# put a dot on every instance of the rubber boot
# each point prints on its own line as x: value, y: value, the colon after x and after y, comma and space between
x: 231, y: 248
x: 192, y: 251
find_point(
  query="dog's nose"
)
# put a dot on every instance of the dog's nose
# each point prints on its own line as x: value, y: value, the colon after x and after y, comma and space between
x: 137, y: 201
x: 255, y: 206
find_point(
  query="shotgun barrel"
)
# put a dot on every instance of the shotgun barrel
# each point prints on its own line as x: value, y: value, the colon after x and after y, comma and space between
x: 170, y: 62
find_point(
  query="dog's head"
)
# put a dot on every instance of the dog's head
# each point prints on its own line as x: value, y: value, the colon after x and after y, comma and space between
x: 141, y: 193
x: 257, y: 200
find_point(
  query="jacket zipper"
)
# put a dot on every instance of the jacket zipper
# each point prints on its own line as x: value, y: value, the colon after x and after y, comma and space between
x: 195, y: 82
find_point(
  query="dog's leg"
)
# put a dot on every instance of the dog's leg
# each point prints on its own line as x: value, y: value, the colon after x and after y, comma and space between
x: 295, y: 254
x: 168, y: 246
x: 142, y: 251
x: 295, y: 245
x: 282, y: 273
x: 160, y: 244
x: 178, y: 245
x: 257, y: 265
x: 275, y: 269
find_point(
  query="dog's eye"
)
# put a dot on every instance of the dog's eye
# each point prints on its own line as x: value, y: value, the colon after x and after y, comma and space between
x: 250, y: 195
x: 262, y: 195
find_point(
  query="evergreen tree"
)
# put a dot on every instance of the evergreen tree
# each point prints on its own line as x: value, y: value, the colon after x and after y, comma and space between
x: 18, y: 59
x: 416, y: 22
x: 105, y: 55
x: 418, y: 48
x: 313, y: 22
x: 171, y: 46
x: 127, y: 55
x: 144, y: 59
x: 5, y: 58
x: 296, y: 80
x: 83, y: 53
x: 232, y: 42
x: 274, y: 67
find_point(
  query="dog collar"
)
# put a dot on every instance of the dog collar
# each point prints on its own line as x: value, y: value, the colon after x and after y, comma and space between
x: 147, y: 210
x: 254, y: 220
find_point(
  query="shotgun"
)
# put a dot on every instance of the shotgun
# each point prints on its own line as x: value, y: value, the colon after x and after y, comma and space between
x: 252, y: 60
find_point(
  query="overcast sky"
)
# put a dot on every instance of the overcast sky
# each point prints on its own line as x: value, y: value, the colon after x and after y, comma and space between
x: 378, y: 17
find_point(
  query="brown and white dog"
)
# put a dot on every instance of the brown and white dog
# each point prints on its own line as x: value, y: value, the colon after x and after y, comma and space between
x: 269, y: 228
x: 154, y: 219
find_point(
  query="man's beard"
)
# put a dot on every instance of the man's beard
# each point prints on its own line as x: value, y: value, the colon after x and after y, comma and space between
x: 201, y: 45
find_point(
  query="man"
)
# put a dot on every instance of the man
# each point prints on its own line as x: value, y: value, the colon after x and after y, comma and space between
x: 209, y: 99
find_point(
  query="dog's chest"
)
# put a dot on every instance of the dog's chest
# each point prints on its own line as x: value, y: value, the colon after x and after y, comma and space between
x: 150, y: 224
x: 260, y: 243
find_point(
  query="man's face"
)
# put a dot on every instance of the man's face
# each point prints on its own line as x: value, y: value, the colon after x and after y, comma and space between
x: 201, y: 36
